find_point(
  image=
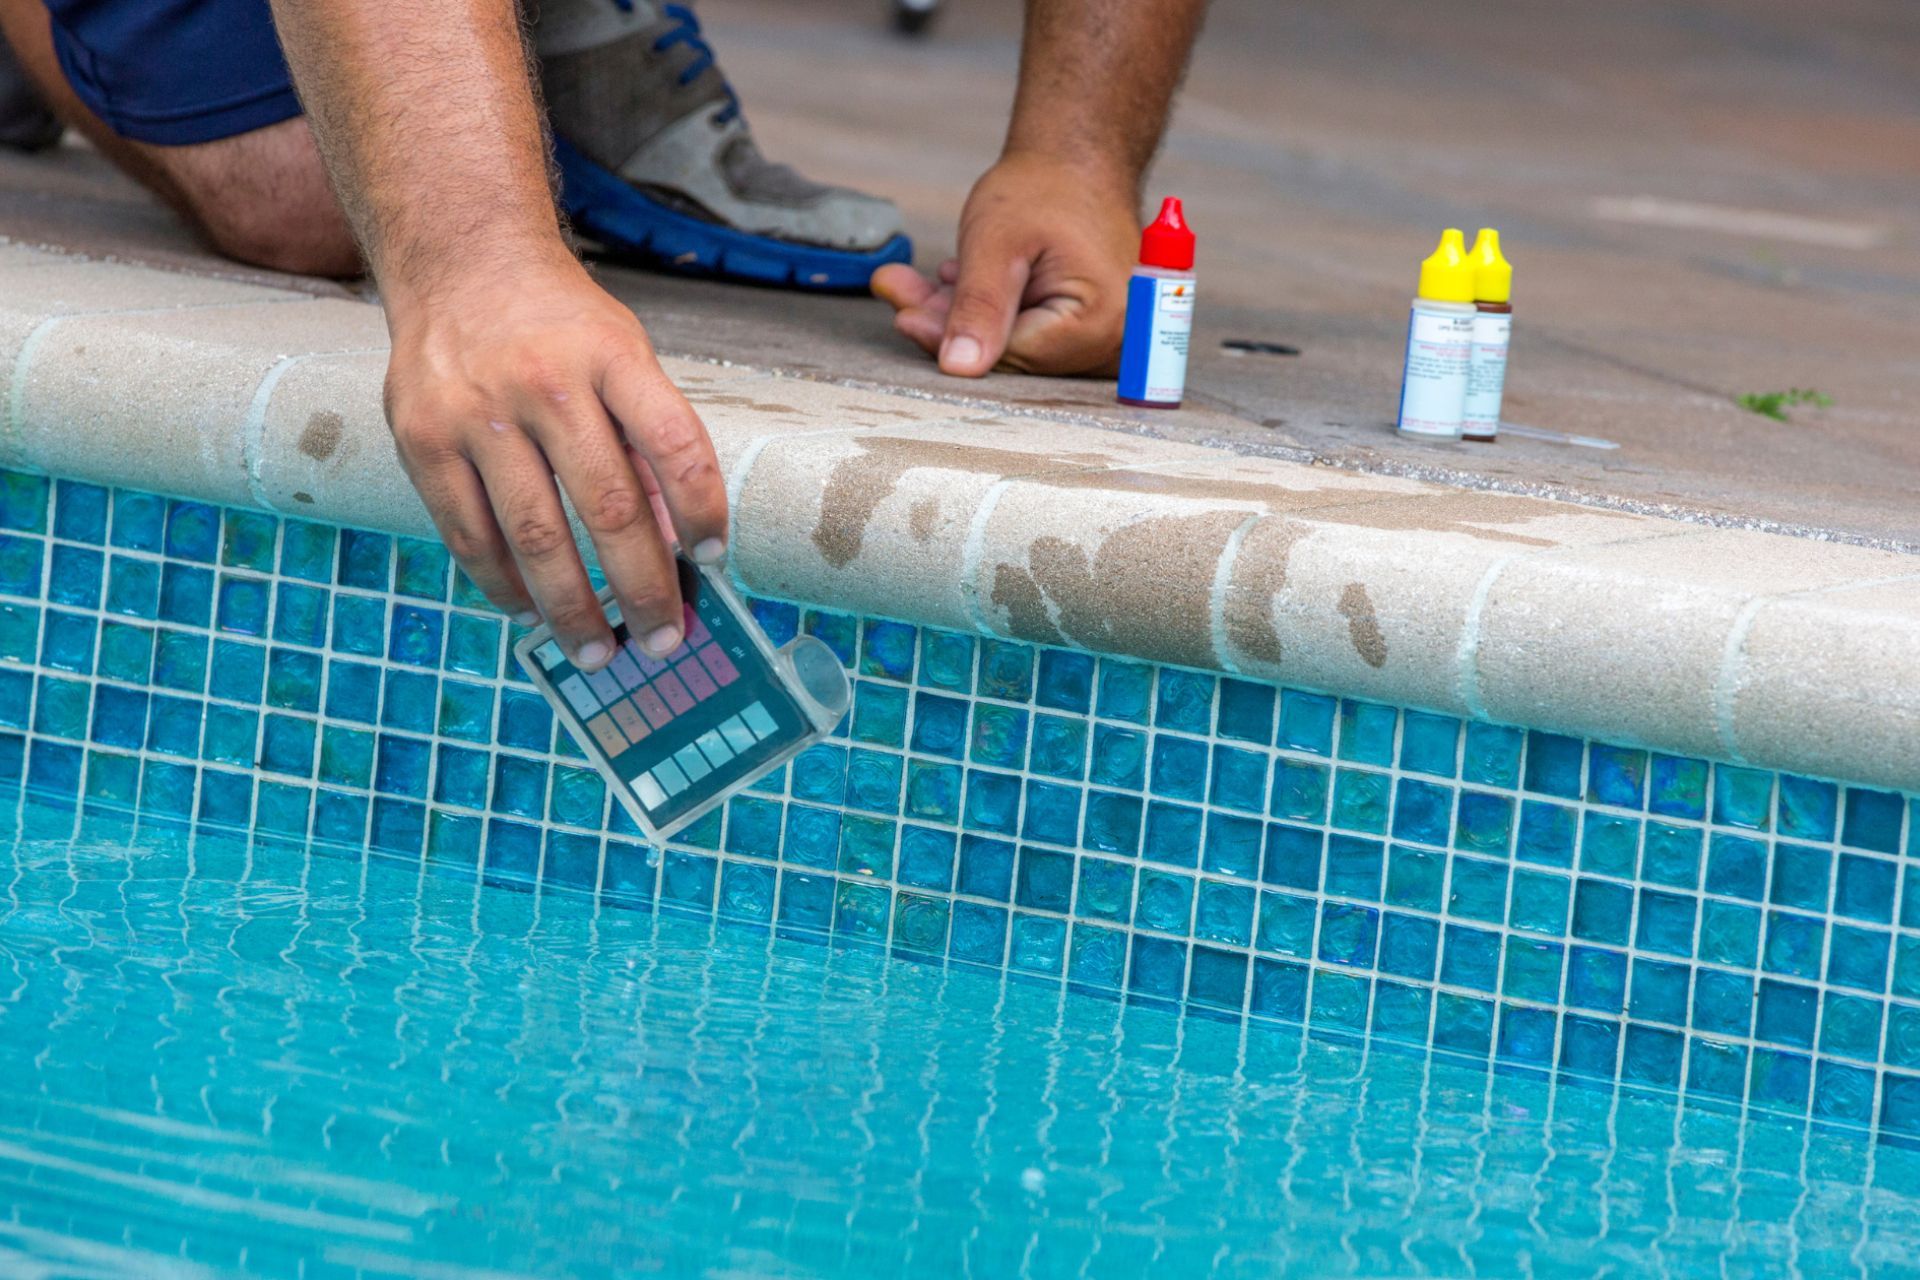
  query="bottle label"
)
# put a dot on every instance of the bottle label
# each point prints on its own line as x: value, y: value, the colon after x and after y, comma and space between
x: 1433, y: 396
x: 1153, y: 353
x: 1486, y: 373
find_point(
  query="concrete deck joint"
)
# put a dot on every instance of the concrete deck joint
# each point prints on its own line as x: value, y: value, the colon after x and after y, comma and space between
x: 1782, y: 652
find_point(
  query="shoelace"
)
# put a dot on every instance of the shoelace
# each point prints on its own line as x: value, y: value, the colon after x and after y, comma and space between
x: 686, y: 30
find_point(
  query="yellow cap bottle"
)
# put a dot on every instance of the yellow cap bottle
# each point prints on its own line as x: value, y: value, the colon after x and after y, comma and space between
x: 1492, y: 332
x: 1433, y: 391
x: 1492, y: 273
x: 1446, y: 275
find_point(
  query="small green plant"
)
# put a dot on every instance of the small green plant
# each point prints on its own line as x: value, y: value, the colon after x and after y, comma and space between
x: 1774, y: 404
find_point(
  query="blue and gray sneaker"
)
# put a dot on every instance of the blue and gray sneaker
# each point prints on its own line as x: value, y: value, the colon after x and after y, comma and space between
x: 656, y: 160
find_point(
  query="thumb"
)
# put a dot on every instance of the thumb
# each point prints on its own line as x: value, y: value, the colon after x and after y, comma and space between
x: 986, y: 298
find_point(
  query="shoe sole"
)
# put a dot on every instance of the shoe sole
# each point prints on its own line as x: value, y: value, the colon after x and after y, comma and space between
x: 608, y: 208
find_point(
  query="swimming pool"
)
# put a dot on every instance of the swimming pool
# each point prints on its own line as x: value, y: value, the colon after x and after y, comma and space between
x: 220, y: 1055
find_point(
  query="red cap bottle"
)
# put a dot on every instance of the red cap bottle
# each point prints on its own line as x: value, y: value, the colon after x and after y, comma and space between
x: 1168, y: 240
x: 1159, y: 326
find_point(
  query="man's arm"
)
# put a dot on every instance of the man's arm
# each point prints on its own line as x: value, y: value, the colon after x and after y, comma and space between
x: 1049, y: 233
x: 510, y: 367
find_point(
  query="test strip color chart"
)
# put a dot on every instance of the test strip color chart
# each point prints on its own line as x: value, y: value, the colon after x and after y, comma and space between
x: 680, y: 730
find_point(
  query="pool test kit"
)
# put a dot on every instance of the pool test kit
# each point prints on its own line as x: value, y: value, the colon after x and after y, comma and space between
x: 1457, y: 335
x: 674, y: 736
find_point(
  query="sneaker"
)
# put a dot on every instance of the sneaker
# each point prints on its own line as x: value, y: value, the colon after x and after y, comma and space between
x: 25, y: 122
x: 656, y: 160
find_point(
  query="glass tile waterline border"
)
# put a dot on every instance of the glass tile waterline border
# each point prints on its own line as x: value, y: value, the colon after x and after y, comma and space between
x: 1155, y: 833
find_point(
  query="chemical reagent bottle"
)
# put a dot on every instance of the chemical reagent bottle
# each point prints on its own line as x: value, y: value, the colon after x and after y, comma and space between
x: 1160, y: 293
x: 1433, y: 392
x: 1492, y: 328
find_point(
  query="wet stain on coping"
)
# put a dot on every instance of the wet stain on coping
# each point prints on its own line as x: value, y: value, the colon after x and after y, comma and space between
x: 1063, y: 595
x: 322, y: 435
x: 859, y: 483
x: 1259, y: 574
x: 1362, y: 626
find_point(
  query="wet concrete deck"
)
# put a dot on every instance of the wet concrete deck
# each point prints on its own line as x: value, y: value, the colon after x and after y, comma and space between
x: 1320, y: 147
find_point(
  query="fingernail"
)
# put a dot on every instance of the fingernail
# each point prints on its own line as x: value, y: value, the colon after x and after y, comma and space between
x: 527, y: 618
x: 710, y: 551
x: 963, y: 350
x: 593, y: 655
x: 663, y: 641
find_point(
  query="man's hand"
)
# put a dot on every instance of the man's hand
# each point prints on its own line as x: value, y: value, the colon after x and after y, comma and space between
x: 502, y: 383
x: 1050, y: 233
x: 1040, y: 283
x: 510, y: 369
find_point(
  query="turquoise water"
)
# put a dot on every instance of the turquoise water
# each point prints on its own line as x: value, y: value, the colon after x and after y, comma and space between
x: 218, y: 1058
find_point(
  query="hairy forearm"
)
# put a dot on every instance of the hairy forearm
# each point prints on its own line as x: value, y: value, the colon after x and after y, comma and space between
x: 426, y: 118
x: 1097, y: 79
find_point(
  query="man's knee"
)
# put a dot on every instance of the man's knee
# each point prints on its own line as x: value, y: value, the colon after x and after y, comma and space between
x: 265, y: 232
x: 262, y: 198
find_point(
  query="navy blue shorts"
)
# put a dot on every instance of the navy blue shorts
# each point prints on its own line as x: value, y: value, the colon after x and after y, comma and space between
x: 174, y: 72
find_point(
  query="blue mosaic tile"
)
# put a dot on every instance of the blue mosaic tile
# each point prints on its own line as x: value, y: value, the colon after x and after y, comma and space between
x: 1367, y: 732
x: 887, y: 648
x: 1430, y: 744
x: 1616, y: 776
x: 1239, y: 779
x: 79, y: 512
x: 1185, y: 701
x: 1065, y: 680
x: 1300, y: 790
x: 1729, y: 934
x: 933, y: 790
x: 67, y: 641
x: 24, y: 499
x: 1533, y: 970
x: 1873, y: 820
x: 939, y: 725
x: 1233, y: 845
x: 138, y: 520
x: 999, y: 736
x: 879, y: 714
x: 20, y: 562
x: 1808, y: 808
x: 248, y: 540
x: 1554, y: 764
x: 920, y: 924
x: 1677, y: 787
x: 192, y: 531
x: 1483, y: 822
x: 1547, y: 835
x: 1059, y: 747
x: 1119, y: 757
x: 1246, y: 711
x: 73, y: 577
x: 1306, y: 722
x: 946, y: 660
x: 420, y: 569
x: 1360, y: 800
x: 1006, y: 671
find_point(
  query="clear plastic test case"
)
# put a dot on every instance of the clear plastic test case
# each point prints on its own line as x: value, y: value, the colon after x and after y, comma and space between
x: 675, y: 736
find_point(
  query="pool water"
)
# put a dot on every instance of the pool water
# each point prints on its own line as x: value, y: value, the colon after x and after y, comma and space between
x: 221, y: 1058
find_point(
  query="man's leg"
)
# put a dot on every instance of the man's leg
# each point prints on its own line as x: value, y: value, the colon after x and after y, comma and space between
x: 260, y: 196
